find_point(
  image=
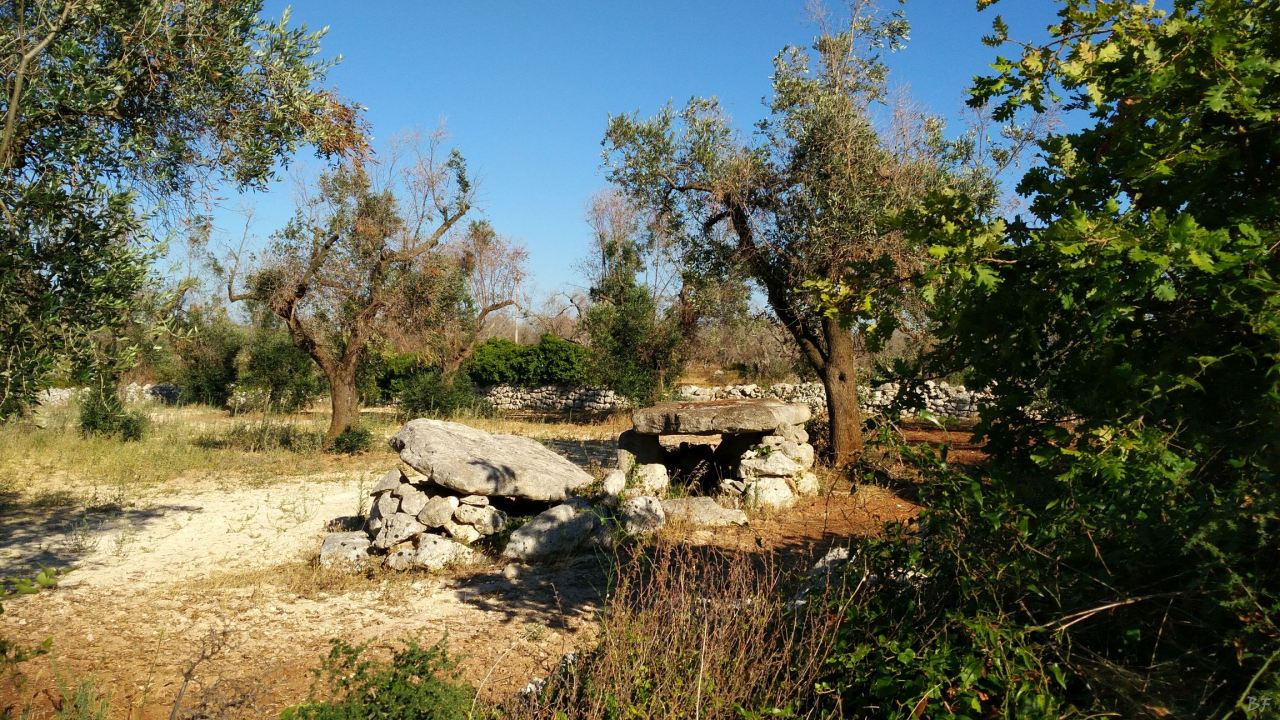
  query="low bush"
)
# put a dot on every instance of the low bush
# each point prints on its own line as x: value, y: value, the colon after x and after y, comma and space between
x: 416, y: 684
x: 102, y: 413
x: 354, y: 439
x: 208, y: 355
x: 428, y: 393
x: 552, y: 361
x: 284, y: 376
x: 382, y: 375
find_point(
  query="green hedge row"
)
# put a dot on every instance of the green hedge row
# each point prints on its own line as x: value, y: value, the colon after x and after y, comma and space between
x: 553, y: 361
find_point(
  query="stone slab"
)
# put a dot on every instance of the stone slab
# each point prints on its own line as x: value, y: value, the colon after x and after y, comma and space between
x: 718, y: 417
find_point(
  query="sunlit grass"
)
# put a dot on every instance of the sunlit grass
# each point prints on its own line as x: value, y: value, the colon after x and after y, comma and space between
x: 46, y: 456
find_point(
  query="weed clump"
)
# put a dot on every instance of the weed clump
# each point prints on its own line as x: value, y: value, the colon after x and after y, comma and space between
x: 102, y: 414
x: 418, y: 683
x: 354, y: 439
x: 695, y: 632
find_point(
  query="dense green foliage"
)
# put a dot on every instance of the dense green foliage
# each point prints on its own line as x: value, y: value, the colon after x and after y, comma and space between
x: 271, y: 364
x: 207, y: 352
x: 633, y: 344
x: 215, y: 357
x: 552, y: 361
x: 110, y: 109
x: 102, y: 413
x: 1117, y: 556
x: 355, y: 439
x: 635, y: 341
x: 428, y: 392
x: 416, y: 684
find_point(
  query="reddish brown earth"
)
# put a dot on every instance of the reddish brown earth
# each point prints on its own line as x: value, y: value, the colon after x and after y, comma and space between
x: 138, y: 616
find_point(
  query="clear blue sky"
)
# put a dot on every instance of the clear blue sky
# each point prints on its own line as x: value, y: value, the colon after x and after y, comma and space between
x: 525, y: 88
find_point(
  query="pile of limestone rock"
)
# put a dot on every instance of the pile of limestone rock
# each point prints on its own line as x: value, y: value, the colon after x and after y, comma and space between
x: 457, y: 485
x: 745, y: 452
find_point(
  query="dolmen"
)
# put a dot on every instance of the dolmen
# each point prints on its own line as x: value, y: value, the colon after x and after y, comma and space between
x: 458, y: 485
x: 753, y: 452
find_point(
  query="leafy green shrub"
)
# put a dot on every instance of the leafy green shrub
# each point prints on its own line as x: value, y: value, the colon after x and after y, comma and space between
x: 287, y: 376
x: 634, y: 346
x: 417, y: 684
x: 1116, y: 557
x: 553, y: 361
x: 102, y: 413
x: 498, y: 361
x: 556, y: 361
x: 382, y: 375
x: 354, y: 439
x: 428, y: 393
x: 208, y: 358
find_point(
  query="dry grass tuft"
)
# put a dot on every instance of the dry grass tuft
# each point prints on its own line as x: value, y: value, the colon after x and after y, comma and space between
x: 696, y: 632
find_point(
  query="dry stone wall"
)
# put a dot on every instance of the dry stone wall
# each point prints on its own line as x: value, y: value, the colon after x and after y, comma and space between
x: 941, y: 399
x: 554, y: 398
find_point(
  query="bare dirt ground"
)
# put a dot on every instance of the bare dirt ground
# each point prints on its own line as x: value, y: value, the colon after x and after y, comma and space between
x: 209, y: 570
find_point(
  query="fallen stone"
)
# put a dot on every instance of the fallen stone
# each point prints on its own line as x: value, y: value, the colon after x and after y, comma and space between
x: 718, y: 417
x: 388, y: 482
x: 474, y: 462
x: 344, y: 549
x: 432, y: 552
x: 462, y: 533
x: 701, y: 511
x: 400, y: 557
x: 412, y: 500
x: 554, y: 533
x: 437, y: 510
x: 477, y: 500
x: 651, y: 479
x: 614, y: 483
x: 486, y: 520
x: 642, y: 515
x: 397, y: 529
x: 769, y: 493
x: 767, y: 465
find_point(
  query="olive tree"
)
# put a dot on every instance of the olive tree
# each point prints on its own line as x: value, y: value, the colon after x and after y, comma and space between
x: 811, y: 197
x: 367, y: 257
x: 109, y: 111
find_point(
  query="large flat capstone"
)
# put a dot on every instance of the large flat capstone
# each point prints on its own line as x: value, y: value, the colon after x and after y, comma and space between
x: 474, y: 462
x: 718, y: 417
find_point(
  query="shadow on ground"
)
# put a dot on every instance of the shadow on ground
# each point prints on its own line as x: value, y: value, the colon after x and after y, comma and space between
x: 555, y: 595
x: 586, y: 454
x: 55, y: 531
